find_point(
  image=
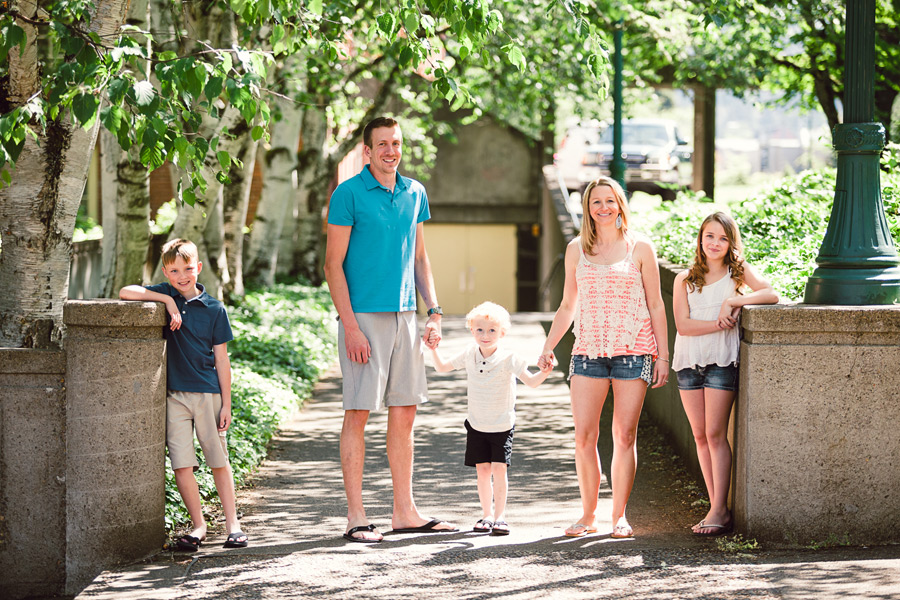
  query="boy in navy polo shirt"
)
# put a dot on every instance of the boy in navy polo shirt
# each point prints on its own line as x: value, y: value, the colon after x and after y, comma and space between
x: 198, y: 384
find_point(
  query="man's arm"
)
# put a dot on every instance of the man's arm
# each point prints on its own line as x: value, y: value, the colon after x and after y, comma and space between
x: 223, y: 372
x: 140, y: 293
x: 425, y: 285
x: 338, y: 241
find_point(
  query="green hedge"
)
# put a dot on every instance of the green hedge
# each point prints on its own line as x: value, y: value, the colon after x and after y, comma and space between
x: 782, y: 228
x: 285, y: 336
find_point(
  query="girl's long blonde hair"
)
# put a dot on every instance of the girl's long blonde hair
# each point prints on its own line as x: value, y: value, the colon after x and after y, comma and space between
x: 696, y: 278
x: 588, y: 228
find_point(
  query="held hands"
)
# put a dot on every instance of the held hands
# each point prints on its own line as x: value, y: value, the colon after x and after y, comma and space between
x: 432, y: 335
x: 546, y: 360
x: 174, y: 314
x: 728, y: 315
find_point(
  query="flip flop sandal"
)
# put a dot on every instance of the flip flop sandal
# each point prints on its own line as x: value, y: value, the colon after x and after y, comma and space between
x: 188, y: 543
x: 349, y: 535
x: 579, y: 530
x: 234, y: 540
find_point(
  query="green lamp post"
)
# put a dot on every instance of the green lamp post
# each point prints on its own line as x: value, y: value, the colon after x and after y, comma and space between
x: 617, y: 166
x: 858, y: 264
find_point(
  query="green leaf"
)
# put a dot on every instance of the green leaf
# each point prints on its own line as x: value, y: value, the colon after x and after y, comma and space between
x: 406, y: 56
x: 256, y: 133
x: 189, y: 197
x: 386, y: 23
x: 84, y: 107
x: 213, y: 88
x: 315, y: 7
x: 151, y: 155
x: 224, y: 160
x: 144, y: 94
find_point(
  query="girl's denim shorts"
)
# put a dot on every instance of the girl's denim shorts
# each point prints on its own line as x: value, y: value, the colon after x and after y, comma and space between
x: 626, y: 367
x: 709, y: 376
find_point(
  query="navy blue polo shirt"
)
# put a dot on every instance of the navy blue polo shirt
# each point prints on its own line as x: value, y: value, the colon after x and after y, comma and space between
x: 380, y: 261
x: 190, y: 363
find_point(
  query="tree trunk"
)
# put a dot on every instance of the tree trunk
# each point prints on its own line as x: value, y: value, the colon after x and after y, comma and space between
x: 275, y: 204
x: 236, y: 200
x: 212, y: 23
x: 125, y: 194
x: 37, y: 211
x: 316, y: 168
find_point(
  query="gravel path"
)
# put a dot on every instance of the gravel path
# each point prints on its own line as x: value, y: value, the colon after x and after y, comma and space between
x: 295, y: 515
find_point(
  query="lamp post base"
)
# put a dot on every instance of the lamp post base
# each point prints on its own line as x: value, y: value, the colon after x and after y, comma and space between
x: 853, y: 287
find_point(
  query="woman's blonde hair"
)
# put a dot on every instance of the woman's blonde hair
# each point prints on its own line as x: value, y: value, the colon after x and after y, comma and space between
x: 588, y: 228
x: 492, y: 312
x: 696, y: 278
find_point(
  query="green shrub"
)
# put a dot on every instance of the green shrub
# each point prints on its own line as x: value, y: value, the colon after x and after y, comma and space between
x: 782, y: 228
x: 285, y: 336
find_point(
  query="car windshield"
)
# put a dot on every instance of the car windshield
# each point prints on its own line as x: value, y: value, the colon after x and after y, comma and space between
x: 634, y: 133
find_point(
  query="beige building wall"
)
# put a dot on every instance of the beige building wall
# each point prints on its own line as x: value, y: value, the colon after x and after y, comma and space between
x: 472, y: 263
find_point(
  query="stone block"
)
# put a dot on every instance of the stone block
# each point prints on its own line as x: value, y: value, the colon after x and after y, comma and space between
x: 817, y: 455
x: 32, y: 472
x: 115, y: 363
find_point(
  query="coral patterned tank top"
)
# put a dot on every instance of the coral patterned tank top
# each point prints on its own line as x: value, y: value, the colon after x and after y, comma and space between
x: 612, y: 317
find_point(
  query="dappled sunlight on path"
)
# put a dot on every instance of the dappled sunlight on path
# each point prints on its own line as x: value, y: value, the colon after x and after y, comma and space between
x: 295, y: 514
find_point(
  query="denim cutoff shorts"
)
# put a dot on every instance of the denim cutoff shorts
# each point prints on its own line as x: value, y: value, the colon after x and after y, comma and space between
x: 626, y: 367
x: 709, y: 376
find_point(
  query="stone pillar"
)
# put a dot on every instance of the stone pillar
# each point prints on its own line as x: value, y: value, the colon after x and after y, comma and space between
x: 32, y: 472
x: 817, y: 454
x: 116, y: 384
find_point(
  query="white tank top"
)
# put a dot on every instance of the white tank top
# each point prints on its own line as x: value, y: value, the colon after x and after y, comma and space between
x: 721, y: 347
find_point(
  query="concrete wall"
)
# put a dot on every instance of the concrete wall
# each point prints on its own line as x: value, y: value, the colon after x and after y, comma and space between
x: 32, y: 472
x: 817, y: 448
x: 82, y: 435
x: 664, y: 404
x: 814, y: 429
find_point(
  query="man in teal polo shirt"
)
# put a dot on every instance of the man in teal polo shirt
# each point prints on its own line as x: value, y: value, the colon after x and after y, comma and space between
x: 375, y: 259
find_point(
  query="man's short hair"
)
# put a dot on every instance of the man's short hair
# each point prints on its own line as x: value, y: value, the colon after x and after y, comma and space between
x: 375, y: 124
x: 185, y: 249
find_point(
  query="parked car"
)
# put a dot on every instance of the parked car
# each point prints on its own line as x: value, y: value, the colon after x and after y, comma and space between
x: 653, y: 151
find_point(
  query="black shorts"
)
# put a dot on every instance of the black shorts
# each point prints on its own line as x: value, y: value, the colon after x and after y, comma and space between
x: 484, y: 447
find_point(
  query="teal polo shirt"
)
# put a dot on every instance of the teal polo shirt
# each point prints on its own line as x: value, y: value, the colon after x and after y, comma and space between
x: 380, y: 260
x: 190, y: 363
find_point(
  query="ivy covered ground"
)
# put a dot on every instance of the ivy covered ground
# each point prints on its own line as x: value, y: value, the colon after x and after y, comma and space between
x: 284, y: 337
x: 782, y: 228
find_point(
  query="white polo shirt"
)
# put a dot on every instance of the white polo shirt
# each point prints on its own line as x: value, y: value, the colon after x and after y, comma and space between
x: 491, y: 387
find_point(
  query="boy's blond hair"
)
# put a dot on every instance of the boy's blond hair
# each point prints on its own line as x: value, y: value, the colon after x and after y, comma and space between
x: 492, y: 312
x: 185, y: 249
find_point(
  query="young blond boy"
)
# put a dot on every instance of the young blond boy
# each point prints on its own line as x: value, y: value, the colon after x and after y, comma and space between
x: 491, y: 400
x: 198, y: 382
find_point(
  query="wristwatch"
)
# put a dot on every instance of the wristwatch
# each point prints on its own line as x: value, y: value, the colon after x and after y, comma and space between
x: 435, y: 311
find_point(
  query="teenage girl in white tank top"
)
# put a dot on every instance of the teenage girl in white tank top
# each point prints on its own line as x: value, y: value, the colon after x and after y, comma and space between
x: 707, y: 301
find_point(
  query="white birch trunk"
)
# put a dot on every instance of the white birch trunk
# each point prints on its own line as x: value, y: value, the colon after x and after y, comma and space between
x: 236, y: 201
x: 125, y: 194
x: 37, y: 211
x: 275, y: 204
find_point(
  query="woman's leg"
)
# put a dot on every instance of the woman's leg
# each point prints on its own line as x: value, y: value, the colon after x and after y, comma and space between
x: 588, y: 395
x: 718, y: 411
x: 628, y: 397
x: 694, y: 402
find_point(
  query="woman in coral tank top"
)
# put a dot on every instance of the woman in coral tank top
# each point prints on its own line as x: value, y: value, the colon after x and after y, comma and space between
x: 612, y: 293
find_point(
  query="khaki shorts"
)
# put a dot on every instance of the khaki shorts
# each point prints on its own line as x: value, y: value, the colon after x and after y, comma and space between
x: 395, y: 373
x: 187, y: 412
